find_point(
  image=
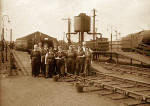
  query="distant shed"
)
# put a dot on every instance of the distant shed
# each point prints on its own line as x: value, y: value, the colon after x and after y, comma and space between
x: 37, y: 37
x: 28, y: 41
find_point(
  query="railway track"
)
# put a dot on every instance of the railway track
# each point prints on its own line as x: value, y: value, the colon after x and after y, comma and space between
x: 107, y: 84
x: 127, y: 69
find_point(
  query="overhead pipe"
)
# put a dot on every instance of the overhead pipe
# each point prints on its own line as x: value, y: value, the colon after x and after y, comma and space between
x: 68, y: 37
x: 95, y: 33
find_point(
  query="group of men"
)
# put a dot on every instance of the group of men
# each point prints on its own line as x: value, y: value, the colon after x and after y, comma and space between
x: 55, y: 61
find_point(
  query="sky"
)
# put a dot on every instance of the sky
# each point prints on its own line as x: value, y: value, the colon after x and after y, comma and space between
x: 28, y: 16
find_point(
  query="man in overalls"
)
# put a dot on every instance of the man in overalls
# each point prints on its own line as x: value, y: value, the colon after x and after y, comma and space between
x: 43, y: 66
x: 55, y: 61
x: 60, y: 62
x: 88, y: 60
x: 80, y: 61
x: 49, y: 61
x: 40, y: 49
x: 71, y: 58
x: 35, y: 61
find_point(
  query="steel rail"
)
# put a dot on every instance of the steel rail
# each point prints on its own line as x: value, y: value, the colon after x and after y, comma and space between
x: 136, y: 70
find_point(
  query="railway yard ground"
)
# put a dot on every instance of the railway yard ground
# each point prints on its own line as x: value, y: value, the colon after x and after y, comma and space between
x: 28, y: 91
x: 110, y: 85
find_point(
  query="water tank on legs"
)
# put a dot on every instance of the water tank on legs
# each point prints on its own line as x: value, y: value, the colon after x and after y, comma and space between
x: 82, y: 23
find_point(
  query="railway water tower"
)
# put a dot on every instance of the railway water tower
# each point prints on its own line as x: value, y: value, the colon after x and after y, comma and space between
x: 82, y: 23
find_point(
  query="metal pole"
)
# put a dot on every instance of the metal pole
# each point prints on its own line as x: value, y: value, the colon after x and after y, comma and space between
x: 10, y: 35
x: 79, y: 37
x: 131, y: 42
x: 82, y: 37
x: 69, y: 30
x: 8, y: 20
x: 117, y: 39
x: 116, y: 35
x: 10, y: 55
x: 64, y: 37
x: 111, y: 44
x: 5, y: 44
x: 2, y: 40
x: 6, y: 51
x: 111, y: 38
x: 11, y: 44
x: 94, y: 24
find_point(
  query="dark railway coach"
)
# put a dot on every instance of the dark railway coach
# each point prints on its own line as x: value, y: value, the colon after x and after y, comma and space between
x: 26, y: 43
x: 100, y: 44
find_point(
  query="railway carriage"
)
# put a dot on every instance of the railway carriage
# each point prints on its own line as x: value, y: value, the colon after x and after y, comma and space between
x: 140, y: 41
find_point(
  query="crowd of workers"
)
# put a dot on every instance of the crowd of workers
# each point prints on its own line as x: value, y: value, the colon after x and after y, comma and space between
x: 55, y: 61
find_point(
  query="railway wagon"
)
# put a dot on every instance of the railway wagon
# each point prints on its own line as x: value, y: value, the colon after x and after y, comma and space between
x: 23, y: 44
x: 140, y: 40
x: 100, y: 44
x: 26, y: 43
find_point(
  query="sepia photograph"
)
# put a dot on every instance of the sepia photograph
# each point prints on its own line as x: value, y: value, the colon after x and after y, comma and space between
x: 74, y: 52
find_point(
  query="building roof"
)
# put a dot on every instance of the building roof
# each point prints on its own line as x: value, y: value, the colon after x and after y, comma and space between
x: 37, y: 35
